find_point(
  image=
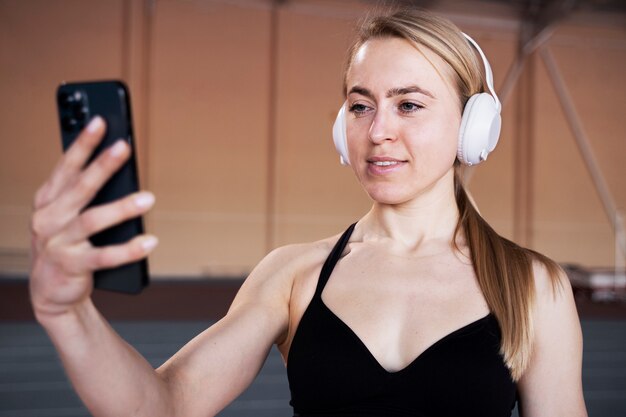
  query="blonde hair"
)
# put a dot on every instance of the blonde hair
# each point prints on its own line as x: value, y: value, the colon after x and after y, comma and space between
x: 503, y: 269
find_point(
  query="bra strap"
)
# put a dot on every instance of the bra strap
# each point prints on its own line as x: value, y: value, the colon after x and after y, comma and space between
x: 332, y: 260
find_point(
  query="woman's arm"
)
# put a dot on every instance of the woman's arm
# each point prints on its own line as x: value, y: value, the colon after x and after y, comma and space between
x: 110, y: 377
x: 552, y: 383
x: 216, y: 366
x: 201, y: 379
x: 108, y: 374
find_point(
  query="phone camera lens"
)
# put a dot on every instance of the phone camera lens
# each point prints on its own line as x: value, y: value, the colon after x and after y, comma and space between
x: 69, y: 123
x: 80, y: 113
x: 72, y: 98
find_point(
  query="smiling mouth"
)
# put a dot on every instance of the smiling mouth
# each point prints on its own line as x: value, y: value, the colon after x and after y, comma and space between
x: 385, y: 163
x: 379, y: 162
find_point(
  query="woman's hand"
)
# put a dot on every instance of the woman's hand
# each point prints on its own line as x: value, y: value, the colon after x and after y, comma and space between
x: 63, y: 259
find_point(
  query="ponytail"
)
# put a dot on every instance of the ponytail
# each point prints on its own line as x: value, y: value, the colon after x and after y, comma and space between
x: 504, y: 272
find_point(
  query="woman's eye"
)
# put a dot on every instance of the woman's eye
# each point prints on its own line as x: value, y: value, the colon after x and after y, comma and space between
x: 409, y: 107
x: 358, y: 108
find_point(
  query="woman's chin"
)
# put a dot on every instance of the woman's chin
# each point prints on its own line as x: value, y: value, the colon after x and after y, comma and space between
x: 387, y: 196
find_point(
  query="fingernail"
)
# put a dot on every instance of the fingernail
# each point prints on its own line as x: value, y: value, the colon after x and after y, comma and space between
x: 149, y: 243
x: 118, y: 148
x: 94, y: 124
x: 144, y: 199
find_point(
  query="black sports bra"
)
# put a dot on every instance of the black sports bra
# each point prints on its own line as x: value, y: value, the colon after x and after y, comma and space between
x: 332, y: 373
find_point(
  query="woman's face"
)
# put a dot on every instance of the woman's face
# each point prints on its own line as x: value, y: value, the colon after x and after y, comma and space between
x: 402, y: 122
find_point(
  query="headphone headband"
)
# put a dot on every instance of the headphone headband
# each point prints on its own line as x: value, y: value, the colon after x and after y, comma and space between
x: 488, y: 72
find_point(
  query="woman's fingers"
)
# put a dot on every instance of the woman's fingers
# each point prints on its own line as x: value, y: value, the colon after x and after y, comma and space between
x: 117, y: 255
x: 99, y: 218
x: 76, y: 196
x: 82, y: 258
x: 71, y: 163
x: 94, y: 177
x: 62, y: 274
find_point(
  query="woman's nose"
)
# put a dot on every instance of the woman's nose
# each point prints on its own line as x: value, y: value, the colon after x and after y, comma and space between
x: 382, y: 127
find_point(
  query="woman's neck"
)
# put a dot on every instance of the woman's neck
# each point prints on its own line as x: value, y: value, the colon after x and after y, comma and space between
x: 415, y: 225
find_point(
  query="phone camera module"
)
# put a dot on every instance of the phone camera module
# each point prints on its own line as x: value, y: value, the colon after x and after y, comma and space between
x: 74, y: 110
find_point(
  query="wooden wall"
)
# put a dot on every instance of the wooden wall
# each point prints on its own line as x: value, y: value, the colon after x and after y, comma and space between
x: 234, y: 103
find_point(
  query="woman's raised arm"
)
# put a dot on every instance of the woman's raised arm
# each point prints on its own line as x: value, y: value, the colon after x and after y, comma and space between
x: 109, y: 375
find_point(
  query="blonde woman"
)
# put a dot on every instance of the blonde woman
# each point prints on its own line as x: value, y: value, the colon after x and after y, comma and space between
x: 419, y: 309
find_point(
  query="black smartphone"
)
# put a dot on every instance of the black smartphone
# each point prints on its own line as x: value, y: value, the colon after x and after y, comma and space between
x: 77, y: 104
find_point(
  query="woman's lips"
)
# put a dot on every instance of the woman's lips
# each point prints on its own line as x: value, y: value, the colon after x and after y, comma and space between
x: 384, y: 165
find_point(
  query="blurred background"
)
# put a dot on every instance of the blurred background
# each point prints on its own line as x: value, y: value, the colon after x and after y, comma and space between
x: 233, y: 104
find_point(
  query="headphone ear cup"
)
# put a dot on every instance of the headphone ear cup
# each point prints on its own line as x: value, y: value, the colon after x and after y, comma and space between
x: 340, y: 137
x: 480, y: 129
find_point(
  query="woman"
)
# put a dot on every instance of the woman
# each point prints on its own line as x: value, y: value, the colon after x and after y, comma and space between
x: 419, y: 309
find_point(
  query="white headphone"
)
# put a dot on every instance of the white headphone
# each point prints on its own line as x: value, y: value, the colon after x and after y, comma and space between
x: 480, y: 123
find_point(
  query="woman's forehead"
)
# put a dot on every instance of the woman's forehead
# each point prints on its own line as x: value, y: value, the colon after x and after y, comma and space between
x: 391, y: 62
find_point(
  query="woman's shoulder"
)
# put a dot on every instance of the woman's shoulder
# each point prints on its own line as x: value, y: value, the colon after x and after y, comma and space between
x: 284, y: 264
x: 296, y: 258
x: 554, y: 303
x: 269, y: 289
x: 550, y: 280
